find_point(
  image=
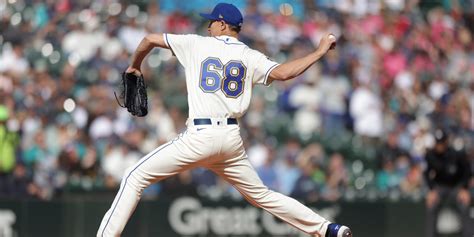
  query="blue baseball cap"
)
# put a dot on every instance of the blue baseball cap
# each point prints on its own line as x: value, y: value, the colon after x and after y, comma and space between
x: 226, y: 12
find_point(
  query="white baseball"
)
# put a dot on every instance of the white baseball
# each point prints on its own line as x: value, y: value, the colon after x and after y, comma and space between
x: 331, y: 36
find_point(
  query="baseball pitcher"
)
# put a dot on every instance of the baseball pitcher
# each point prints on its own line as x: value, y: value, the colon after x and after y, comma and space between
x: 220, y: 74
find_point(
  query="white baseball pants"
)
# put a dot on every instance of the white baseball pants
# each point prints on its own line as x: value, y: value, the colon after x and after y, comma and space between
x: 220, y: 149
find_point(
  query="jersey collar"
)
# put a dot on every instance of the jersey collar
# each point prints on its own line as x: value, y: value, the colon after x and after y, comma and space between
x: 228, y: 39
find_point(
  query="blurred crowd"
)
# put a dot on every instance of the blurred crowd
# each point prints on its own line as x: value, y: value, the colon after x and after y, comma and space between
x: 356, y: 125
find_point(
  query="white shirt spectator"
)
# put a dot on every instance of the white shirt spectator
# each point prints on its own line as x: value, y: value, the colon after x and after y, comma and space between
x: 111, y: 49
x: 335, y: 90
x: 117, y: 160
x: 83, y: 44
x: 163, y: 124
x: 437, y: 89
x: 258, y: 154
x: 366, y: 109
x: 13, y: 61
x: 306, y: 97
x: 359, y: 7
x: 131, y: 37
x: 287, y: 34
x: 101, y: 127
x: 80, y: 116
x: 395, y: 5
x: 405, y: 80
x: 307, y: 122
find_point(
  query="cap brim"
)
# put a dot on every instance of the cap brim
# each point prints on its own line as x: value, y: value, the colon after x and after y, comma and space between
x: 208, y: 16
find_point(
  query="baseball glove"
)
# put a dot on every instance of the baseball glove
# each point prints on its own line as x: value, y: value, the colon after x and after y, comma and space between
x: 134, y: 94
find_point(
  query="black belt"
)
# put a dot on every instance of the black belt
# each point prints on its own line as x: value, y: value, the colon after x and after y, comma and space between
x: 207, y: 121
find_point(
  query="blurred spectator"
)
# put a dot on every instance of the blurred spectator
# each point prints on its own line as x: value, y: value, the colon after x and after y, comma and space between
x: 335, y: 89
x: 179, y: 185
x: 156, y: 18
x: 337, y: 178
x: 206, y: 181
x: 305, y: 187
x: 366, y: 110
x: 422, y: 140
x: 258, y: 154
x: 390, y: 149
x: 412, y: 183
x: 387, y: 178
x: 131, y: 34
x: 287, y: 168
x: 310, y: 183
x: 307, y: 97
x: 116, y: 160
x: 394, y: 62
x: 447, y: 174
x: 12, y: 59
x: 38, y: 151
x: 162, y: 124
x: 267, y: 172
x: 83, y: 40
x: 9, y: 141
x: 19, y: 184
x: 402, y: 165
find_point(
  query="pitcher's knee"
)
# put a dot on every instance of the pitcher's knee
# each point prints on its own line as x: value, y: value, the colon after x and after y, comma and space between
x: 135, y: 179
x: 260, y: 194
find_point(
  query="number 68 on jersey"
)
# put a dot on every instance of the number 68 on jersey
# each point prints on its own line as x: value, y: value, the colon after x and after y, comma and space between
x: 232, y: 81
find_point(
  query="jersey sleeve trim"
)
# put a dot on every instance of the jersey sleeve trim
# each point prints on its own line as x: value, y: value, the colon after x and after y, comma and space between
x: 165, y: 36
x: 168, y: 43
x: 265, y: 80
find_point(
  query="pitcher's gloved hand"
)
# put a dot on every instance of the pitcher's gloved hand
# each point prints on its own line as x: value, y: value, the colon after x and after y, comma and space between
x: 134, y: 94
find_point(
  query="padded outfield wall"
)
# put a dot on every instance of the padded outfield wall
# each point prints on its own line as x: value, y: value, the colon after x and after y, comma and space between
x: 189, y: 216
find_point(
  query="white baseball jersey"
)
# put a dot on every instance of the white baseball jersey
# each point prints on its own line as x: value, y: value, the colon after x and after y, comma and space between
x: 220, y: 73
